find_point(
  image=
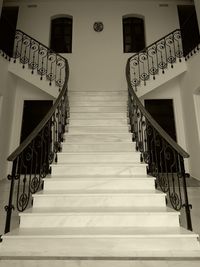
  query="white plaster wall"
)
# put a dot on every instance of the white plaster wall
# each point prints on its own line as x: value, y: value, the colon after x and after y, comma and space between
x: 197, y: 6
x: 97, y: 61
x: 7, y: 96
x: 171, y: 90
x: 13, y: 92
x: 24, y: 91
x: 190, y: 83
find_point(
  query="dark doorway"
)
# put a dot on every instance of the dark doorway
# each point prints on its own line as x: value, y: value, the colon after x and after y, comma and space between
x: 133, y: 34
x: 34, y: 111
x: 61, y: 35
x: 189, y: 27
x: 163, y: 112
x: 8, y: 23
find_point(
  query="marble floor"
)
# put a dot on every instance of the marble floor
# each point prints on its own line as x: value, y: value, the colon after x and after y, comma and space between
x: 193, y: 192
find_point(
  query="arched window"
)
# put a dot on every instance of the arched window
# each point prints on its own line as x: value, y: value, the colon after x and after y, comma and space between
x: 133, y: 34
x: 61, y: 34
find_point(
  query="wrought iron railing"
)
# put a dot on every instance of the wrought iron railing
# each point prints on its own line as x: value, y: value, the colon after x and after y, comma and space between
x: 147, y: 63
x: 193, y: 52
x: 32, y: 159
x: 165, y: 158
x: 39, y: 58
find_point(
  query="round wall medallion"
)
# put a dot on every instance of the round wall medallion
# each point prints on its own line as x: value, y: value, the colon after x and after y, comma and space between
x: 98, y: 26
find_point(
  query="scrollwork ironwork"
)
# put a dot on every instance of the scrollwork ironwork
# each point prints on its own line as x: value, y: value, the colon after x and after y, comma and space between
x: 38, y: 57
x: 158, y: 56
x: 32, y: 159
x: 165, y: 158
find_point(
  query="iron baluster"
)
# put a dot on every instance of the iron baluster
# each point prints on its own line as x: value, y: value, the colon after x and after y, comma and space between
x: 10, y: 207
x: 187, y: 206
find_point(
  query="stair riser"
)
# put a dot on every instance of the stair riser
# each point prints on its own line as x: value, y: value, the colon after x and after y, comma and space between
x: 98, y: 122
x: 97, y: 138
x: 97, y: 129
x: 99, y: 246
x: 98, y: 170
x: 101, y: 158
x: 105, y: 98
x: 107, y: 184
x: 98, y: 104
x: 99, y: 109
x: 108, y: 200
x: 113, y: 147
x: 99, y: 220
x: 98, y: 93
x: 98, y: 115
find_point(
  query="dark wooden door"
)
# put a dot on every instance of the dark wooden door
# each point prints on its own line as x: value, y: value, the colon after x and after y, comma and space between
x: 8, y: 23
x: 34, y: 111
x: 162, y: 111
x: 189, y: 27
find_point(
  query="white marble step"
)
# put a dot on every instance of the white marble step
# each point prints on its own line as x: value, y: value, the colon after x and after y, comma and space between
x: 104, y: 147
x: 98, y: 115
x: 98, y: 122
x: 91, y: 103
x: 99, y: 169
x: 74, y: 198
x: 99, y: 109
x: 99, y: 183
x: 98, y: 129
x: 99, y: 217
x: 98, y: 93
x: 98, y: 157
x: 97, y: 98
x: 100, y: 242
x: 97, y: 138
x: 150, y: 259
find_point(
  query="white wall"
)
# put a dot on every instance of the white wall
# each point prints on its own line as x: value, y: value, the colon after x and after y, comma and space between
x: 7, y: 96
x: 97, y: 61
x: 197, y: 6
x: 190, y: 84
x: 24, y: 91
x: 172, y: 90
x: 13, y: 92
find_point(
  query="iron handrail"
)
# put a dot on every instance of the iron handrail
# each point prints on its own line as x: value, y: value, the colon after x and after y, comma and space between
x: 151, y: 120
x: 152, y: 44
x: 39, y: 127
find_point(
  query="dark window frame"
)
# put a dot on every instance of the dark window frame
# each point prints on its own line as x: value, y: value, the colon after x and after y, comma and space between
x: 61, y: 34
x: 133, y: 34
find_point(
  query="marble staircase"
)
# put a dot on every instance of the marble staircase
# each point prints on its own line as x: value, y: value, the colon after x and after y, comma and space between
x: 98, y: 207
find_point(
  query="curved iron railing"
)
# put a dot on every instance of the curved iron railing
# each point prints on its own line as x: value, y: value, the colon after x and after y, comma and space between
x: 165, y: 158
x: 32, y: 159
x: 147, y: 63
x: 39, y: 58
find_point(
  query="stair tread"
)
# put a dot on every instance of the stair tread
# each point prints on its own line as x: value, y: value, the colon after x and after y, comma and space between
x: 102, y: 164
x: 100, y: 153
x: 126, y: 232
x: 92, y: 177
x: 79, y: 211
x: 82, y: 192
x: 100, y: 144
x: 116, y: 134
x: 97, y: 178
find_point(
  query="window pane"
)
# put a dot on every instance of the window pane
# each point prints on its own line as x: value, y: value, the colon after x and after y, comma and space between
x: 61, y: 35
x: 133, y: 31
